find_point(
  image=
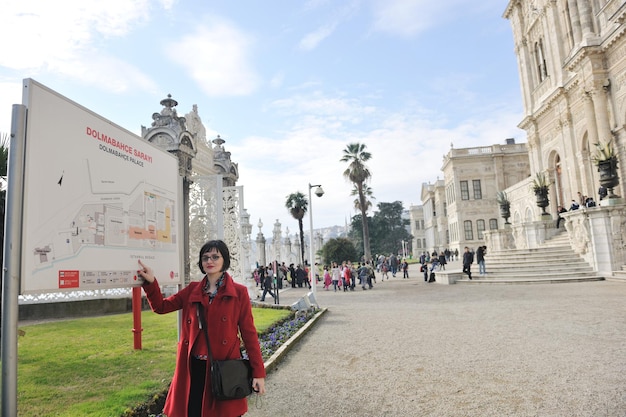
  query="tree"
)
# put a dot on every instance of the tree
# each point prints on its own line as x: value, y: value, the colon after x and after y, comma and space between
x: 338, y: 250
x: 355, y: 233
x: 358, y: 173
x: 297, y: 204
x: 367, y: 190
x: 388, y: 228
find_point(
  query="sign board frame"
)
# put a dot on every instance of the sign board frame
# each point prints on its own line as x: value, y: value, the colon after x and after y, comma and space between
x: 97, y: 198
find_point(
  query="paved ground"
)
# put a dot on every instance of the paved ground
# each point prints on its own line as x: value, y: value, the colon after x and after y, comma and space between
x: 408, y: 348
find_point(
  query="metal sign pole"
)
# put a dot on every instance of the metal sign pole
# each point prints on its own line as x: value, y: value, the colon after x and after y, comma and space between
x: 12, y: 260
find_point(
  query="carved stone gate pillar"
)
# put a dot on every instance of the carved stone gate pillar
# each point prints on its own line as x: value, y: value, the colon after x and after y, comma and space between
x: 169, y: 132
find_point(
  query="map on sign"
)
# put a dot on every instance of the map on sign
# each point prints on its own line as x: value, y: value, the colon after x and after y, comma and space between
x: 97, y: 199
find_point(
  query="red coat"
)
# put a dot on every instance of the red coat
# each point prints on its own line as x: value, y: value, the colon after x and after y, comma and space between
x: 230, y: 311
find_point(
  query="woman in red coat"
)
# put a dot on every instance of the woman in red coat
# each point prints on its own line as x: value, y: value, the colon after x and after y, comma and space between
x: 228, y: 312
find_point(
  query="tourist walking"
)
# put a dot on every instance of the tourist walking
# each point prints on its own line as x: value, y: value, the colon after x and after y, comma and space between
x: 267, y: 283
x: 371, y: 276
x: 480, y: 259
x: 345, y: 271
x: 336, y: 275
x: 262, y: 275
x: 442, y: 261
x: 468, y: 259
x: 385, y: 271
x: 327, y: 279
x: 393, y: 264
x: 405, y: 269
x: 307, y: 276
x: 363, y: 274
x: 218, y: 299
x: 292, y: 273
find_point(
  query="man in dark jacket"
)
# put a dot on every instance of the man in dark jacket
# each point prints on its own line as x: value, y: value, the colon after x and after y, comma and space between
x: 292, y: 272
x: 300, y: 276
x: 468, y: 259
x: 268, y: 282
x: 480, y: 259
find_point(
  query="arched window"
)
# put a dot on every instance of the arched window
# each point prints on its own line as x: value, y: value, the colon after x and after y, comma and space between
x: 469, y: 231
x: 542, y: 70
x: 480, y: 228
x: 493, y: 224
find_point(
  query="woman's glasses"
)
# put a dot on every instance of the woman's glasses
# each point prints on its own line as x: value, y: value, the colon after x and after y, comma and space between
x: 213, y: 258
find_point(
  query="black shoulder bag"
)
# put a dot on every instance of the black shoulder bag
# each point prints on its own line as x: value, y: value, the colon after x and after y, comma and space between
x: 231, y: 379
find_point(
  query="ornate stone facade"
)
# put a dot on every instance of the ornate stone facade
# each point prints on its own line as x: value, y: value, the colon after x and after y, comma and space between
x: 572, y: 69
x: 572, y: 63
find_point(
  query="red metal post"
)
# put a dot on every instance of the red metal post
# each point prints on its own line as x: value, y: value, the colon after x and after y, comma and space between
x: 137, y: 317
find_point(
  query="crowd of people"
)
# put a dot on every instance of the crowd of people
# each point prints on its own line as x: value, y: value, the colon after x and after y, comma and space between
x: 348, y: 275
x: 276, y: 274
x: 430, y: 263
x: 344, y: 276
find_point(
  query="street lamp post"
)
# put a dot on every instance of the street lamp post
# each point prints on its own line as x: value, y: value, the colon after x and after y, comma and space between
x: 318, y: 192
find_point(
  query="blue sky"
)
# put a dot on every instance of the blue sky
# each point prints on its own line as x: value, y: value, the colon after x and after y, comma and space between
x: 287, y: 84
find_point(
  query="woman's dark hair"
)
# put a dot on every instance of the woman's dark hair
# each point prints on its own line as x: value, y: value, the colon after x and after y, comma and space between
x: 221, y: 247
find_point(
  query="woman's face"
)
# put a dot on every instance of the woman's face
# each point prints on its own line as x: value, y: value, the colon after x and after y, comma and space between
x: 212, y: 262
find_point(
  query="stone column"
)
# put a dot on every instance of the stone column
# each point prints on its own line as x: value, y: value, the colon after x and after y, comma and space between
x: 586, y: 22
x: 277, y: 241
x: 590, y: 116
x: 575, y: 20
x: 600, y: 103
x: 298, y: 251
x: 526, y: 71
x: 287, y: 246
x: 260, y: 245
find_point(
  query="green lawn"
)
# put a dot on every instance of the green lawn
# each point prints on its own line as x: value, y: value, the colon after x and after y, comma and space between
x: 88, y: 367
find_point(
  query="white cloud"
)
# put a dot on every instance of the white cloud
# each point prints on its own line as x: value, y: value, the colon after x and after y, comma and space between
x: 311, y: 40
x: 100, y: 69
x: 277, y: 80
x: 59, y: 36
x: 337, y: 16
x: 217, y: 57
x: 410, y: 17
x: 168, y: 4
x: 321, y: 110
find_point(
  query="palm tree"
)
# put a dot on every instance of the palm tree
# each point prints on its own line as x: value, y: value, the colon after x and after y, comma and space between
x: 357, y: 173
x: 297, y: 204
x: 369, y: 193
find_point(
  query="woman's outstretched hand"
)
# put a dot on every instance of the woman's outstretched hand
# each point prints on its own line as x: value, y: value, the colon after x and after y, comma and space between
x: 145, y: 272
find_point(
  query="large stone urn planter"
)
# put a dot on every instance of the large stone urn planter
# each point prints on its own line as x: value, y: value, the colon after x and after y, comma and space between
x: 608, y: 175
x: 542, y: 199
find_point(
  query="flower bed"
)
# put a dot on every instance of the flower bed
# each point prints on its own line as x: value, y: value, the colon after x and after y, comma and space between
x: 282, y: 331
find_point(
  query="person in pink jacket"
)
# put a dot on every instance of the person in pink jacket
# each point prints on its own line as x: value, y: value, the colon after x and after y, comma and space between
x: 228, y: 313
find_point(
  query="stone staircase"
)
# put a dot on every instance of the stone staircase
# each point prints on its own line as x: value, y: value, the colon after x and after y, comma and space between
x: 553, y: 262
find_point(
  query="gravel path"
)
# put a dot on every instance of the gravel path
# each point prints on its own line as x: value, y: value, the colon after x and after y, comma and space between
x: 407, y: 348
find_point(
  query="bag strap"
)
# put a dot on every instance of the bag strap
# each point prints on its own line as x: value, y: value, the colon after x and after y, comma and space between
x: 200, y: 314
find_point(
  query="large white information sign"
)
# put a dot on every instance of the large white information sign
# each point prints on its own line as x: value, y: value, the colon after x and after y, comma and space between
x: 97, y: 198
